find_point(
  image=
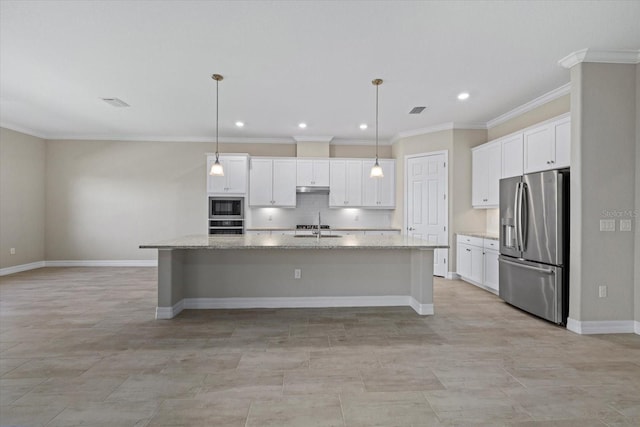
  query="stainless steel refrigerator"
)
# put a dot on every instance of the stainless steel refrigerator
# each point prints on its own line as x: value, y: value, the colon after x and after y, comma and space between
x: 534, y: 243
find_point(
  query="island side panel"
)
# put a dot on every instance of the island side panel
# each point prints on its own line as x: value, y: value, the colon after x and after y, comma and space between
x: 170, y: 283
x: 422, y: 281
x: 258, y: 273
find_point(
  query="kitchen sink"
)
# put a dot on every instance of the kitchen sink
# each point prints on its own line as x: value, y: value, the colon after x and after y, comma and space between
x: 313, y: 236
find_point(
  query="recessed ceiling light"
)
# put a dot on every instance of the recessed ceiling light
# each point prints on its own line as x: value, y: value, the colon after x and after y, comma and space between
x: 115, y: 102
x: 302, y: 125
x: 240, y: 124
x: 363, y: 126
x: 462, y: 96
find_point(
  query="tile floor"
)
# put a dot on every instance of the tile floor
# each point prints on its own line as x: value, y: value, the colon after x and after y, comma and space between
x: 80, y: 347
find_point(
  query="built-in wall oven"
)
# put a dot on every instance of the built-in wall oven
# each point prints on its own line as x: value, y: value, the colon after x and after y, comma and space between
x: 226, y: 215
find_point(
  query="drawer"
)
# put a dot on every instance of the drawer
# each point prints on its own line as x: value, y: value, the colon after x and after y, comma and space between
x: 492, y: 244
x: 470, y: 240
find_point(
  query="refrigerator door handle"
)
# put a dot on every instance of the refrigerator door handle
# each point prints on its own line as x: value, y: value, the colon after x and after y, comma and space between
x: 524, y: 217
x: 518, y: 219
x: 530, y: 267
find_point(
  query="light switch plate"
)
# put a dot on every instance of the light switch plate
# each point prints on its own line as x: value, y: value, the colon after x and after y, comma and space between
x: 607, y: 225
x: 625, y: 225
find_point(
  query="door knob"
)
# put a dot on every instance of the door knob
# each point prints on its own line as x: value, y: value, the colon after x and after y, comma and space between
x: 411, y: 228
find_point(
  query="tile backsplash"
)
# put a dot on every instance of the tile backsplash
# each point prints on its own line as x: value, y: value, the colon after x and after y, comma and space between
x: 306, y: 212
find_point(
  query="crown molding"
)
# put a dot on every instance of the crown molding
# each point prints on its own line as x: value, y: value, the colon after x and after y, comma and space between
x: 25, y: 130
x: 524, y: 108
x: 339, y: 141
x: 225, y: 140
x: 312, y: 138
x: 438, y: 128
x: 610, y: 56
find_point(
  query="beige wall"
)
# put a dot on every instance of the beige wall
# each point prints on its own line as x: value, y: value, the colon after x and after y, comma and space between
x: 360, y: 151
x: 22, y: 201
x: 544, y: 112
x: 603, y: 164
x: 458, y: 143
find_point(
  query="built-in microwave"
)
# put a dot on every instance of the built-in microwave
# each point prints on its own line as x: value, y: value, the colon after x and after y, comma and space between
x: 226, y: 215
x: 226, y: 207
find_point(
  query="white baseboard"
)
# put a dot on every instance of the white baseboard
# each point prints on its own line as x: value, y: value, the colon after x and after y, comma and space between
x: 104, y: 263
x: 637, y: 327
x: 602, y: 327
x: 421, y: 309
x: 170, y: 312
x: 451, y: 275
x: 293, y: 302
x: 22, y: 267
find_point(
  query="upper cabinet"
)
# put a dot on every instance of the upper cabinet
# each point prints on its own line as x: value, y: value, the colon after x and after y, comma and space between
x: 345, y: 183
x: 234, y: 180
x: 512, y: 156
x: 486, y: 174
x: 272, y: 182
x: 544, y: 146
x: 547, y: 146
x: 379, y: 192
x: 312, y: 172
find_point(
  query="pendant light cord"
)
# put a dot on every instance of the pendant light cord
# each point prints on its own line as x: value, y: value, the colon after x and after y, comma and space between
x: 377, y: 87
x: 217, y: 110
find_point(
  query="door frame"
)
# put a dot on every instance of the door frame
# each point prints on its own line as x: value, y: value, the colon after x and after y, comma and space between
x: 405, y: 220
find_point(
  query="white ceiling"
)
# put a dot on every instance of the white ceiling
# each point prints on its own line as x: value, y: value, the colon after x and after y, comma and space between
x: 286, y: 62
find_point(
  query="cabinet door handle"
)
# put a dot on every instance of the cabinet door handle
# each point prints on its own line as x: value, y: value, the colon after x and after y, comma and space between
x: 468, y: 250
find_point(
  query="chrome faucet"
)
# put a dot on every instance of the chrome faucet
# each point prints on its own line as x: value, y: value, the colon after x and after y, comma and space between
x: 319, y: 227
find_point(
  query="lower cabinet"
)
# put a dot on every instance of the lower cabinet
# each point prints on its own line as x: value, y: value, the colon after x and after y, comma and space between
x: 477, y: 261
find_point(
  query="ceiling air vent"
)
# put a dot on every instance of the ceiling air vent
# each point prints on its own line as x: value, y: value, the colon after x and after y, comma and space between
x: 115, y: 102
x: 417, y: 110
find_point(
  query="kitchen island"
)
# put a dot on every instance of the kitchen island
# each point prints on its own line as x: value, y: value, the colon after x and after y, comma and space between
x: 267, y: 271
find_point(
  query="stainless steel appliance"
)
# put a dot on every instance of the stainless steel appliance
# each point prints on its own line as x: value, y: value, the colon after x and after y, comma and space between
x: 534, y: 243
x: 226, y: 215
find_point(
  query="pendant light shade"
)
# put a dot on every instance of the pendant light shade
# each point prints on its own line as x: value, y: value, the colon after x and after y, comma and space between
x: 216, y: 168
x: 376, y: 170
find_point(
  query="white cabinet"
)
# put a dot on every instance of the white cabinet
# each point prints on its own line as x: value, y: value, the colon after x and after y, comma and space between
x: 313, y: 173
x: 234, y: 180
x: 477, y: 261
x: 486, y: 174
x: 272, y: 182
x: 512, y: 156
x: 379, y: 192
x: 345, y: 183
x: 547, y: 146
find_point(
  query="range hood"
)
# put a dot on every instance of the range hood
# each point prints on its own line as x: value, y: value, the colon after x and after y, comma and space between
x: 309, y: 189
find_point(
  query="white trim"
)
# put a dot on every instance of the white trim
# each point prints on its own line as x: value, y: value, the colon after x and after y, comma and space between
x: 452, y: 276
x: 610, y: 56
x: 312, y: 138
x: 421, y: 309
x: 170, y: 312
x: 600, y: 326
x: 296, y: 302
x: 343, y: 141
x: 524, y: 108
x: 22, y: 267
x: 103, y: 263
x: 177, y: 138
x: 437, y: 128
x: 636, y: 327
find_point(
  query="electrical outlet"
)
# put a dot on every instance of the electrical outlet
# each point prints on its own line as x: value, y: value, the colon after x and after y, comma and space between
x: 297, y: 273
x: 12, y: 251
x: 607, y: 225
x: 602, y: 291
x: 357, y: 218
x: 270, y: 218
x: 625, y: 225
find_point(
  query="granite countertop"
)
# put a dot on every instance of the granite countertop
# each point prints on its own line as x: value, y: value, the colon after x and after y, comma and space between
x: 329, y: 229
x: 248, y: 241
x: 481, y: 235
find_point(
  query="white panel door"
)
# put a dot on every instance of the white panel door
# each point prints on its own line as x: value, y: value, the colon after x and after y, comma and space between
x: 235, y: 170
x: 354, y: 183
x: 338, y: 184
x: 512, y: 164
x: 563, y: 143
x: 539, y: 148
x: 304, y: 173
x: 494, y: 173
x: 427, y: 204
x: 321, y: 173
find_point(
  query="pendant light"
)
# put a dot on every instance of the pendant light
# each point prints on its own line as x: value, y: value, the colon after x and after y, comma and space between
x: 376, y: 170
x: 216, y: 168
